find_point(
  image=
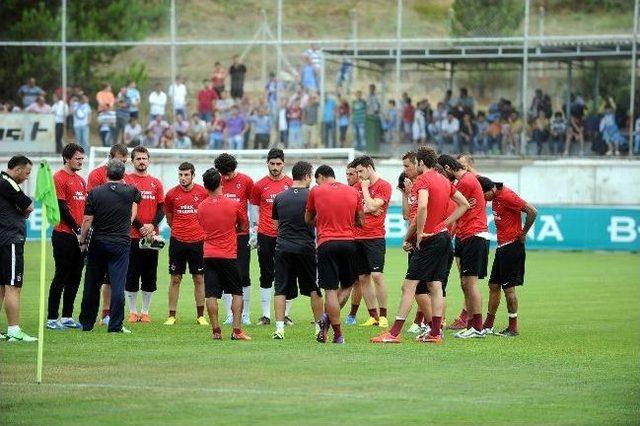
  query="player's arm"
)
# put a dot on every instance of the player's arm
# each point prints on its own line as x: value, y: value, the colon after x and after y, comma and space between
x: 421, y: 216
x: 462, y: 205
x: 242, y: 225
x: 405, y: 207
x: 371, y: 205
x: 167, y: 211
x: 310, y: 217
x: 12, y: 192
x: 531, y: 213
x: 274, y: 214
x: 67, y: 217
x: 87, y: 221
x: 359, y: 218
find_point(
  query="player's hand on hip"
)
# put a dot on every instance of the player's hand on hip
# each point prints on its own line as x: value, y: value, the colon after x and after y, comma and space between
x: 522, y: 238
x: 146, y: 230
x: 407, y: 246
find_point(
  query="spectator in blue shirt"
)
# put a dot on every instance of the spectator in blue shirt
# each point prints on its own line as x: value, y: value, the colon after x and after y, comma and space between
x: 29, y: 92
x: 329, y: 122
x: 133, y: 99
x: 262, y: 124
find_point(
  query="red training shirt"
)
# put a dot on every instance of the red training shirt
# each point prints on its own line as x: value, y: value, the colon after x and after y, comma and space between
x: 507, y: 207
x: 263, y: 193
x: 335, y: 205
x: 71, y: 189
x: 152, y: 194
x: 440, y: 192
x: 206, y: 97
x: 374, y: 225
x: 97, y: 177
x: 183, y: 207
x: 238, y: 189
x: 219, y: 218
x: 474, y: 220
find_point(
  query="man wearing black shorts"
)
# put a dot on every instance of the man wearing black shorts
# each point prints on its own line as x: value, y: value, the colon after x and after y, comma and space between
x: 220, y: 219
x: 185, y: 247
x: 295, y: 260
x: 15, y: 207
x: 336, y: 210
x: 507, y: 271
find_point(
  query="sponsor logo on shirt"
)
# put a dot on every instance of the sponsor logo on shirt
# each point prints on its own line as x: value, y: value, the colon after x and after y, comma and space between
x: 187, y: 209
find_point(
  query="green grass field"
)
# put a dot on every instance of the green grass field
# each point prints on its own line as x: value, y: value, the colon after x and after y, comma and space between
x: 576, y: 361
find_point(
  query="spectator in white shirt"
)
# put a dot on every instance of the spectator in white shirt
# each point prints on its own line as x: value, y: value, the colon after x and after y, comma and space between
x: 178, y: 94
x: 60, y: 110
x: 157, y: 102
x: 107, y: 122
x: 132, y: 132
x: 449, y: 133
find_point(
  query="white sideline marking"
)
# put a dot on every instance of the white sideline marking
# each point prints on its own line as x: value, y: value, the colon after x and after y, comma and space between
x: 171, y: 389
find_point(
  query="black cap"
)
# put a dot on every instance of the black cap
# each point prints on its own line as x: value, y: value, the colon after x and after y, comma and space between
x: 487, y: 184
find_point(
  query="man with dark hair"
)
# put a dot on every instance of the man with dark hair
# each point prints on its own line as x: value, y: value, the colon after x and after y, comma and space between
x: 370, y: 241
x: 262, y: 195
x: 237, y: 187
x: 429, y: 236
x: 143, y: 261
x: 15, y: 207
x: 472, y: 243
x: 109, y: 210
x: 97, y: 177
x: 71, y: 191
x: 185, y: 247
x: 295, y: 260
x: 356, y: 291
x: 221, y: 219
x: 507, y: 271
x: 335, y: 210
x: 352, y: 175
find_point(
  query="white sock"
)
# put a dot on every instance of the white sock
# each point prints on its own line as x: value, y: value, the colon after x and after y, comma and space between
x: 13, y: 329
x: 246, y: 301
x: 226, y: 299
x: 132, y: 297
x: 279, y: 325
x: 317, y: 326
x: 513, y: 315
x: 146, y: 301
x: 287, y: 307
x: 63, y: 319
x: 265, y: 295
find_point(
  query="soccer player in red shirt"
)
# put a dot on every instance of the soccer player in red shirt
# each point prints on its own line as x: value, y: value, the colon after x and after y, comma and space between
x: 262, y: 196
x: 237, y: 187
x: 71, y: 191
x: 335, y: 209
x: 370, y: 241
x: 432, y: 244
x: 97, y: 177
x: 185, y: 246
x: 507, y: 271
x: 472, y: 243
x: 143, y: 263
x: 356, y: 292
x: 221, y: 219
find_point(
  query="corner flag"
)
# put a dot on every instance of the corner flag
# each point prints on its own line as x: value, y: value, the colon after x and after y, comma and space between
x: 46, y: 195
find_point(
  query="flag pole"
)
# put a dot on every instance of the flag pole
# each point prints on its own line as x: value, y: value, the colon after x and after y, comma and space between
x: 43, y: 263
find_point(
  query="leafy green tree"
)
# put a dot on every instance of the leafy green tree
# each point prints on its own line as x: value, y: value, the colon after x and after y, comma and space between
x: 484, y: 18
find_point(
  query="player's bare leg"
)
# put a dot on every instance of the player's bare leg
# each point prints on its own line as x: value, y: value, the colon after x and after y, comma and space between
x: 494, y: 302
x: 198, y: 295
x: 316, y: 305
x: 332, y: 309
x: 460, y: 323
x: 369, y: 295
x: 279, y: 307
x: 512, y: 308
x: 356, y: 298
x: 381, y: 296
x: 406, y: 301
x: 106, y: 303
x: 12, y: 304
x: 174, y: 294
x: 474, y: 305
x: 212, y: 310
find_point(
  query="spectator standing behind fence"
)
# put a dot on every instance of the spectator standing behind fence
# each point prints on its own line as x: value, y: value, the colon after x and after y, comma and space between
x: 283, y: 125
x: 449, y: 133
x: 558, y: 132
x: 198, y: 131
x: 468, y: 132
x: 237, y: 72
x: 575, y: 130
x: 40, y: 106
x: 419, y: 124
x: 466, y: 103
x: 310, y: 120
x: 391, y: 123
x: 132, y: 97
x: 481, y: 139
x: 236, y: 128
x: 183, y: 141
x: 60, y: 110
x: 224, y: 104
x: 262, y: 125
x: 167, y: 140
x: 610, y: 131
x: 294, y: 119
x: 218, y: 77
x: 358, y: 117
x: 308, y: 76
x: 107, y: 126
x: 132, y: 132
x: 157, y: 102
x: 408, y: 115
x: 29, y: 92
x: 344, y: 74
x: 329, y: 121
x: 271, y: 92
x: 122, y: 118
x: 207, y: 98
x: 81, y: 120
x: 178, y: 95
x: 216, y: 135
x: 157, y: 126
x: 105, y: 98
x: 343, y: 121
x: 181, y: 124
x: 540, y: 130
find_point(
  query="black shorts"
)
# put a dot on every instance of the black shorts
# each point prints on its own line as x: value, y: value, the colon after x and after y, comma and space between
x: 429, y: 261
x: 181, y: 254
x: 336, y: 266
x: 370, y: 255
x: 266, y: 254
x: 244, y: 259
x: 12, y: 264
x: 293, y: 271
x: 508, y: 265
x: 474, y: 256
x: 221, y: 275
x: 422, y: 285
x: 143, y: 268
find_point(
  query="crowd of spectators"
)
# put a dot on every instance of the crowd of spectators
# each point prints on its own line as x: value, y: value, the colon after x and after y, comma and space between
x: 221, y: 115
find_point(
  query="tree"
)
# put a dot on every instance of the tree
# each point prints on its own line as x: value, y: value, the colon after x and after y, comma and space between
x: 95, y: 20
x: 486, y: 18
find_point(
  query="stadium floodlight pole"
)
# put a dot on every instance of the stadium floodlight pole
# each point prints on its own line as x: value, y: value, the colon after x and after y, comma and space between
x: 278, y: 59
x: 396, y: 83
x: 525, y: 77
x: 63, y: 40
x: 173, y: 50
x: 634, y: 60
